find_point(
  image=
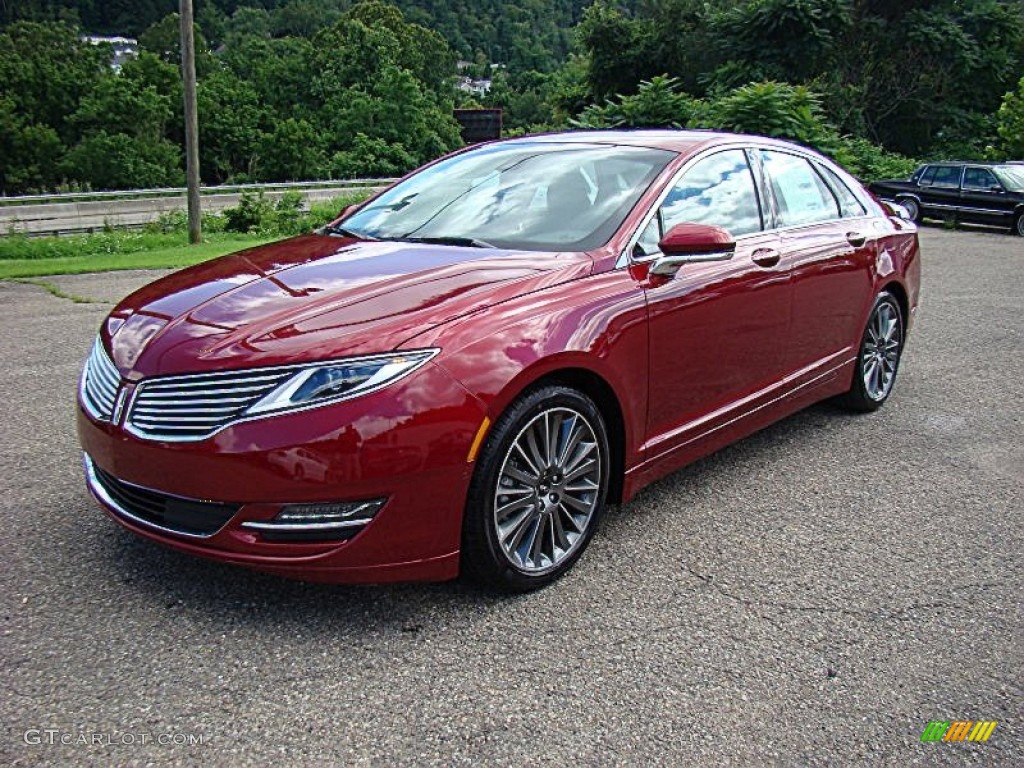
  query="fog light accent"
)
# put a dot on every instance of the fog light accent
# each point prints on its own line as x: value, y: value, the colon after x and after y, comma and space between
x: 329, y: 513
x: 312, y: 522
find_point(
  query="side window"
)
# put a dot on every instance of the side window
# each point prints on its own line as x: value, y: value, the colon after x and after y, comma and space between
x: 802, y: 195
x: 849, y: 205
x: 947, y: 176
x: 928, y: 177
x: 979, y: 178
x: 717, y: 190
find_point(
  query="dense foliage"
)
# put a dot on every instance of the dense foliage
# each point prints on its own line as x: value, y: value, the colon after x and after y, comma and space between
x: 370, y: 95
x: 525, y: 34
x: 297, y: 89
x: 913, y: 76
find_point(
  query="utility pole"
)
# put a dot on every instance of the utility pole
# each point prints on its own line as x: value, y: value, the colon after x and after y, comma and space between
x: 188, y: 74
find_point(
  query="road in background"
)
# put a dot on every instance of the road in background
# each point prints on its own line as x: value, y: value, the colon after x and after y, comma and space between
x: 85, y: 212
x: 813, y: 595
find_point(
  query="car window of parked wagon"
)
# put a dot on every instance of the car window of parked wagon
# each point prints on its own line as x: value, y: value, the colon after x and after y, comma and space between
x: 947, y: 176
x: 980, y: 178
x: 802, y: 196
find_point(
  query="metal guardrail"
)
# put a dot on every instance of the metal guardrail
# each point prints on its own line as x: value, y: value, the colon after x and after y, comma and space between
x: 223, y: 189
x: 75, y: 213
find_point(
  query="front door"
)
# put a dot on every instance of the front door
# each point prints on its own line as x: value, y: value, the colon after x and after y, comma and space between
x: 717, y: 330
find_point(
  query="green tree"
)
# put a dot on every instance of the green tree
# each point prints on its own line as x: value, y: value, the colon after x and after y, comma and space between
x: 291, y: 151
x: 29, y: 153
x: 229, y: 126
x: 45, y: 70
x: 658, y: 103
x: 120, y: 161
x: 1010, y: 121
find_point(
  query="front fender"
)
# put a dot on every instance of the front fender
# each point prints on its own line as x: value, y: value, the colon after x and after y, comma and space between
x: 597, y: 324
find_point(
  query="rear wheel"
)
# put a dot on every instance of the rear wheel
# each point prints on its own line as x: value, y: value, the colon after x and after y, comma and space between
x: 879, y: 357
x: 912, y: 207
x: 1018, y: 224
x: 538, y: 490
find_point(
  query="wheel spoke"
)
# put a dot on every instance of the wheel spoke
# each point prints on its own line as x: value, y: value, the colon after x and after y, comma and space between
x: 573, y: 439
x: 583, y: 486
x: 529, y: 462
x: 571, y: 518
x: 514, y: 528
x: 553, y: 428
x: 533, y: 550
x: 579, y: 506
x: 503, y: 511
x: 514, y: 538
x: 581, y: 452
x: 580, y: 470
x: 522, y: 477
x: 536, y: 444
x: 561, y: 541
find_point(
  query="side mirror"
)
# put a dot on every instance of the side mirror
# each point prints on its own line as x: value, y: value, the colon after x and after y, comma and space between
x: 995, y: 188
x: 895, y: 209
x: 688, y: 242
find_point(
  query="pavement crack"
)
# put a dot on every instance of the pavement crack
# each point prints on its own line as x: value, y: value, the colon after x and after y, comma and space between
x: 758, y: 606
x: 55, y: 291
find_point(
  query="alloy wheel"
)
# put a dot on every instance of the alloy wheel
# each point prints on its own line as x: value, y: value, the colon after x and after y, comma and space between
x: 548, y: 490
x: 880, y: 351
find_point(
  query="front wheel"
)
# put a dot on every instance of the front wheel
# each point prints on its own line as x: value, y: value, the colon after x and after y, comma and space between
x: 538, y: 490
x: 1018, y: 224
x: 879, y: 357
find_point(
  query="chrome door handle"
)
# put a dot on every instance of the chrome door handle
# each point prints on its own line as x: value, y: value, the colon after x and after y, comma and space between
x: 766, y: 257
x: 856, y: 239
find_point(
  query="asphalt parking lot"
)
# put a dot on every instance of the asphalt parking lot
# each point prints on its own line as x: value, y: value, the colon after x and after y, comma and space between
x: 814, y: 595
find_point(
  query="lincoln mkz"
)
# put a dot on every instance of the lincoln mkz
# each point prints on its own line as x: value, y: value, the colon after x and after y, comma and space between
x: 459, y: 374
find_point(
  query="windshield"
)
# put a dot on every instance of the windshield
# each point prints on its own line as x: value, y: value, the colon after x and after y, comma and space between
x: 1012, y: 176
x: 537, y: 196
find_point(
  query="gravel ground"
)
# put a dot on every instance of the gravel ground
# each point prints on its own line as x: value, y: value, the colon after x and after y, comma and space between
x: 814, y: 595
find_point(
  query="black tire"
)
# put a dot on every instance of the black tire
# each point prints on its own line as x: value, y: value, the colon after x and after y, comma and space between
x: 868, y: 392
x: 543, y: 508
x: 1018, y: 224
x: 912, y: 207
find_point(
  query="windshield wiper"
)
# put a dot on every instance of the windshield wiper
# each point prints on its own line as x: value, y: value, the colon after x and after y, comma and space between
x: 336, y: 230
x: 466, y: 242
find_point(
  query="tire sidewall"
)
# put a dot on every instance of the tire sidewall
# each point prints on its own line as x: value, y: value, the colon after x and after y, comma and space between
x: 858, y: 395
x: 482, y: 556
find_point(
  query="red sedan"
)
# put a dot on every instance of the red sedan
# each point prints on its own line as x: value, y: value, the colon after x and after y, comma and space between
x: 459, y: 374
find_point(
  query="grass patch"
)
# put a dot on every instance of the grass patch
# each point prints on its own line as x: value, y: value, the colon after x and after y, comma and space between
x: 164, y: 242
x: 174, y: 252
x: 53, y: 289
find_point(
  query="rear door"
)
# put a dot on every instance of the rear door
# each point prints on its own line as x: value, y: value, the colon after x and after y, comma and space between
x: 940, y: 192
x: 983, y: 200
x: 828, y: 249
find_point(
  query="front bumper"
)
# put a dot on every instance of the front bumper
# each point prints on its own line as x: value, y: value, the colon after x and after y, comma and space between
x: 407, y: 444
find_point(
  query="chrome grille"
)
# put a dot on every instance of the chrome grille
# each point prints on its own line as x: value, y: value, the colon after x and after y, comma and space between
x: 195, y: 406
x: 100, y: 381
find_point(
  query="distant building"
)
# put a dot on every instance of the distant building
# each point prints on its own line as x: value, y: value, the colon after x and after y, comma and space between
x: 124, y: 48
x: 474, y: 86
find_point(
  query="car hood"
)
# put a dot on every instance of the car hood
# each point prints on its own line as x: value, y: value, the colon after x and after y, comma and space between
x: 315, y: 297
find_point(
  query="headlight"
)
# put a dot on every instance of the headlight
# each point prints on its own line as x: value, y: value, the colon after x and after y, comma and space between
x: 340, y: 380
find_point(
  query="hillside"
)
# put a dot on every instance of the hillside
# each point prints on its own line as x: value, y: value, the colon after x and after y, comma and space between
x: 526, y: 34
